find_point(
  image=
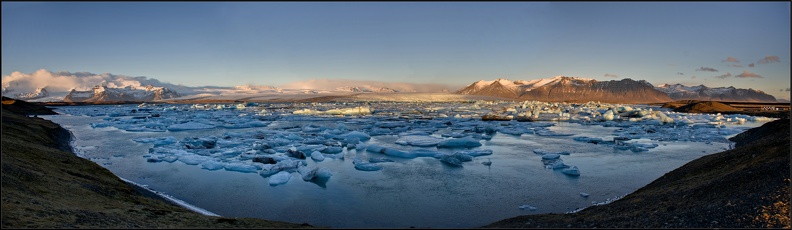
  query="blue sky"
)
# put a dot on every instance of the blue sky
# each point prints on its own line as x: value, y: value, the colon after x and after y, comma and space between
x: 457, y: 43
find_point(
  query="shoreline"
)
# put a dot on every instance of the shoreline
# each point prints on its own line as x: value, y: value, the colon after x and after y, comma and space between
x: 167, y: 198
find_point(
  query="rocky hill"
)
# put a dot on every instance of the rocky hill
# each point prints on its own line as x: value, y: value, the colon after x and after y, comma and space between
x: 562, y: 88
x: 704, y: 93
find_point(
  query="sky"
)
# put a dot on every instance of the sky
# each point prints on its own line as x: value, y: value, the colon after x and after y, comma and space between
x: 741, y: 44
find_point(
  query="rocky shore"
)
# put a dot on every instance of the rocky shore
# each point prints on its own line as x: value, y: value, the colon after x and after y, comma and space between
x: 45, y: 185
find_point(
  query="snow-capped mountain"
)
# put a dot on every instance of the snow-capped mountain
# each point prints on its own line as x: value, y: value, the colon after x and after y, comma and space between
x: 102, y: 93
x: 704, y: 93
x: 563, y: 88
x: 36, y: 94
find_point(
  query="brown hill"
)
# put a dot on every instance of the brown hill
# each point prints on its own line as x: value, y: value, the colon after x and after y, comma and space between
x: 25, y: 108
x: 44, y: 185
x: 746, y: 187
x: 623, y: 91
x: 706, y: 107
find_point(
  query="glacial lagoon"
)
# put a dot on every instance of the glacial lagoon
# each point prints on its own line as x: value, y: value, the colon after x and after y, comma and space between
x: 394, y: 165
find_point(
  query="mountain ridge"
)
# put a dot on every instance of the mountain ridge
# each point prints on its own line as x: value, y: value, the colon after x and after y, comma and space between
x: 44, y: 86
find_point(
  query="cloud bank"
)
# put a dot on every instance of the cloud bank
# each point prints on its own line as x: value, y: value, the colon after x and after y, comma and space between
x: 63, y: 82
x: 333, y: 84
x: 746, y: 74
x: 724, y: 76
x: 731, y: 59
x: 611, y: 75
x: 708, y: 69
x: 768, y: 59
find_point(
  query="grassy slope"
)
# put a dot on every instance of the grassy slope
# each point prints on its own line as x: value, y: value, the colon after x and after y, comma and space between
x: 44, y: 185
x: 746, y: 187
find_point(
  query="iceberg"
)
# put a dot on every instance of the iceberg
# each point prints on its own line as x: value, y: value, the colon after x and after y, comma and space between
x: 545, y: 152
x: 365, y: 166
x: 459, y: 142
x: 279, y: 178
x: 572, y: 171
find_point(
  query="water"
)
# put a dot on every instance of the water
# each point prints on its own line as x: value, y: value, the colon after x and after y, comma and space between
x: 421, y: 192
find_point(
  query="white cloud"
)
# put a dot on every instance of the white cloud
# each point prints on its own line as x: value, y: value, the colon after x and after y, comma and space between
x: 768, y: 59
x: 63, y: 82
x: 332, y: 84
x: 724, y: 76
x: 708, y: 69
x: 731, y: 59
x: 746, y: 74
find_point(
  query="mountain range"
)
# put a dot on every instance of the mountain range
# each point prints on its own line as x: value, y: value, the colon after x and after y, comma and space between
x: 44, y: 85
x: 564, y: 88
x: 129, y: 93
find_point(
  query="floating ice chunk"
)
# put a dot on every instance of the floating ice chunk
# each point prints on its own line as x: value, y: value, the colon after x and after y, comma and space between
x: 199, y: 143
x: 423, y: 153
x: 546, y: 132
x: 375, y: 149
x: 241, y: 167
x: 279, y: 178
x: 527, y: 207
x: 359, y: 135
x: 379, y: 159
x: 608, y: 116
x: 264, y: 160
x: 212, y: 165
x: 554, y: 164
x: 189, y: 126
x: 593, y: 140
x: 583, y: 194
x: 420, y: 141
x: 543, y: 152
x: 516, y: 131
x: 307, y: 173
x: 332, y: 150
x: 323, y: 173
x: 453, y: 161
x: 365, y: 166
x: 454, y: 135
x: 572, y: 171
x: 269, y: 170
x: 477, y: 152
x: 170, y: 159
x: 397, y: 153
x: 295, y: 153
x: 550, y: 156
x: 663, y: 118
x: 317, y: 156
x: 459, y: 142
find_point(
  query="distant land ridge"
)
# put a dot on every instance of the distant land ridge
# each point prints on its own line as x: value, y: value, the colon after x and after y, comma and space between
x: 704, y: 93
